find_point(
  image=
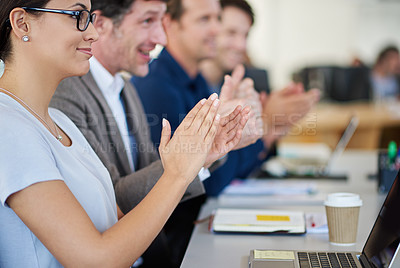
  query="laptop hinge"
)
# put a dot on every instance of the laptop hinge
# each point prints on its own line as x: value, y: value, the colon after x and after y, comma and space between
x: 364, y: 262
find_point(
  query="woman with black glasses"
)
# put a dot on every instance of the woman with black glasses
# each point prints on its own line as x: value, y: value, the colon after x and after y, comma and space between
x: 57, y: 201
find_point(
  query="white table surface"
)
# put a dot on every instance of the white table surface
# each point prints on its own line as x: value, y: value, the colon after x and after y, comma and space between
x: 226, y: 250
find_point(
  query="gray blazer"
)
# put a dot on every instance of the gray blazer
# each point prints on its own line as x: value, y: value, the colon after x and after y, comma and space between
x: 82, y: 101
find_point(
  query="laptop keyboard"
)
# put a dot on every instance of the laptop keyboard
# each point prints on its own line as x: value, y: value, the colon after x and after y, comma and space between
x: 326, y: 260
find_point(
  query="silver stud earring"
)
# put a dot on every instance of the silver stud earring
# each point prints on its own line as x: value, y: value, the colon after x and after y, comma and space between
x: 2, y: 66
x: 25, y: 38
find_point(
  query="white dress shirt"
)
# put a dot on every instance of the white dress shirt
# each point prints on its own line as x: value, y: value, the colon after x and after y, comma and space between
x: 111, y: 87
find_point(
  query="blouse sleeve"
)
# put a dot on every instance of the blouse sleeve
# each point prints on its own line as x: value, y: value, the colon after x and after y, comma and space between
x: 25, y: 156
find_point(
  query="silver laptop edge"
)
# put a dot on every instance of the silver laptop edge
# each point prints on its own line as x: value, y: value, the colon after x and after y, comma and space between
x: 344, y: 140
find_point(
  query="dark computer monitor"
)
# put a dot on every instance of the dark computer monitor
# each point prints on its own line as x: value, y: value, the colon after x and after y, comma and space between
x: 338, y: 84
x: 260, y: 78
x: 383, y: 242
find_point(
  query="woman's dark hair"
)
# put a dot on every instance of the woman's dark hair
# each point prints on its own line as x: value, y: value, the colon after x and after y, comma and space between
x: 6, y: 6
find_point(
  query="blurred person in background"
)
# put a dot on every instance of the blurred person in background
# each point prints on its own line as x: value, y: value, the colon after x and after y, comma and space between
x: 385, y: 75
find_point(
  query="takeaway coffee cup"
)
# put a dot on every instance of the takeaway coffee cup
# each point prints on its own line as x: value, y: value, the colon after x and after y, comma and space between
x: 342, y: 210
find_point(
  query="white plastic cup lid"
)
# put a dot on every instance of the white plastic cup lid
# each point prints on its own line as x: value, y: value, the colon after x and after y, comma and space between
x: 343, y: 200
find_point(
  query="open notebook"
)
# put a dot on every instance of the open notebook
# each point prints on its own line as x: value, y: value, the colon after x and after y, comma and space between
x: 259, y: 221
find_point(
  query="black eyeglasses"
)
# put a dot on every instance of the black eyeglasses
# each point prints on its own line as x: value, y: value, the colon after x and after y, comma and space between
x: 83, y: 17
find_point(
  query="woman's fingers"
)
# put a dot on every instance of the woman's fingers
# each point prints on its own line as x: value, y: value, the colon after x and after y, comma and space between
x: 238, y: 123
x: 236, y: 135
x: 209, y: 138
x: 189, y: 118
x: 233, y: 142
x: 211, y: 105
x: 210, y: 116
x: 226, y: 119
x: 233, y: 125
x: 245, y: 115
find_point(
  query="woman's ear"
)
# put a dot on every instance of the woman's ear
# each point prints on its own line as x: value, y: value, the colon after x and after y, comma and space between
x: 20, y: 22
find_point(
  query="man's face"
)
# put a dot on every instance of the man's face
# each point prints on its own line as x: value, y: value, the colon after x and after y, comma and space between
x: 131, y: 40
x: 232, y: 40
x: 197, y: 29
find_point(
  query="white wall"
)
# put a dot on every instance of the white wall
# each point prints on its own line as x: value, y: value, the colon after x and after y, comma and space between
x: 291, y: 34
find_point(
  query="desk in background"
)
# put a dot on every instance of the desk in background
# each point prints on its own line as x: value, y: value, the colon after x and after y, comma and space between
x: 327, y: 122
x: 224, y: 250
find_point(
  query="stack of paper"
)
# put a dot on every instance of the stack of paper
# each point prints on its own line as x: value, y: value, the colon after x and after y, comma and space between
x: 258, y: 221
x: 253, y: 192
x: 269, y: 187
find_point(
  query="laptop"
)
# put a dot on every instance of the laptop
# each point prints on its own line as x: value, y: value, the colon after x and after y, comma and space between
x: 381, y: 250
x: 315, y: 166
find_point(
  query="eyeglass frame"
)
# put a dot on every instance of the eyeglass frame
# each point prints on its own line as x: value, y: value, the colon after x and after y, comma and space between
x: 77, y: 14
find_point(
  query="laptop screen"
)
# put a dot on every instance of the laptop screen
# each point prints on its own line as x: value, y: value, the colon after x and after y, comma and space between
x: 384, y: 238
x: 344, y: 140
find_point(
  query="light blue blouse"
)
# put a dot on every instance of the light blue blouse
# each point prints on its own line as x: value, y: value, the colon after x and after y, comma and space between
x: 29, y: 154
